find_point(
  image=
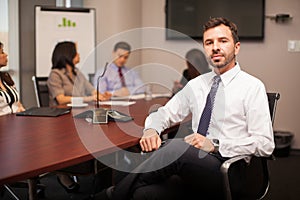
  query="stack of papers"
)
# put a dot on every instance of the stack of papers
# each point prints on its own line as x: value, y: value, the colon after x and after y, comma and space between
x: 157, y: 95
x: 117, y: 103
x: 142, y: 96
x: 126, y: 100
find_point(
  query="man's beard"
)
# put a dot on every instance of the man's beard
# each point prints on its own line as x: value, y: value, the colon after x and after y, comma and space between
x: 222, y: 65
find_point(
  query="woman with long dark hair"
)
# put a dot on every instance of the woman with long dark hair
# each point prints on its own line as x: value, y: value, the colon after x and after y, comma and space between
x: 65, y: 80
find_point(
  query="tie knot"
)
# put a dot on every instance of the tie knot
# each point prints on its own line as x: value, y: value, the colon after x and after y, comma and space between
x: 217, y: 79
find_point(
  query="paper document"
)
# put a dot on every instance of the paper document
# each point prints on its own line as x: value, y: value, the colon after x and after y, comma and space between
x: 117, y: 103
x: 141, y: 96
x: 157, y: 95
x: 134, y: 97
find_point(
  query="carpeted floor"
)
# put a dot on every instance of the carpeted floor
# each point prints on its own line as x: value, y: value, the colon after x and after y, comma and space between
x: 285, y: 178
x: 284, y: 172
x: 54, y: 191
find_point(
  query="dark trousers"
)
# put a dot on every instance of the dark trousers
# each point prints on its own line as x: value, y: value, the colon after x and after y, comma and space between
x: 176, y: 165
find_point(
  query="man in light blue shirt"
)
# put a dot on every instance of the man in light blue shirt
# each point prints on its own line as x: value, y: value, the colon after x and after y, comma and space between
x: 119, y: 79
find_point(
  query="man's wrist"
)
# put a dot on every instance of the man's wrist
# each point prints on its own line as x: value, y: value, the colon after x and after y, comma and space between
x: 150, y: 129
x: 216, y: 144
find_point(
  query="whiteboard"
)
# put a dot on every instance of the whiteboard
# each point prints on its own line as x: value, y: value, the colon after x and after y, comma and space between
x: 55, y: 24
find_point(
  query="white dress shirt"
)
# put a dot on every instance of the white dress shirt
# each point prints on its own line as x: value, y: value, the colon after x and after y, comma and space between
x: 240, y: 117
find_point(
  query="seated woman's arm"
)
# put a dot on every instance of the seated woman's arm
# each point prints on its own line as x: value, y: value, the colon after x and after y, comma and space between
x: 20, y: 107
x: 62, y: 99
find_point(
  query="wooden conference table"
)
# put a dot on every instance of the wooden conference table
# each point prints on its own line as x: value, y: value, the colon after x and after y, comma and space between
x: 30, y: 146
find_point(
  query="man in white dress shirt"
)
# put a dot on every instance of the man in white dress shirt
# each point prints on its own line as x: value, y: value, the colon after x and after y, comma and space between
x: 240, y: 124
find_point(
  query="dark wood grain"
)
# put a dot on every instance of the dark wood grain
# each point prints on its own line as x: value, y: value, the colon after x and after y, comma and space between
x: 30, y: 146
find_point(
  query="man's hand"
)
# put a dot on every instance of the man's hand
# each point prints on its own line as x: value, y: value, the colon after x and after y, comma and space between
x: 121, y: 92
x: 105, y: 96
x: 102, y: 97
x: 150, y: 140
x: 199, y: 141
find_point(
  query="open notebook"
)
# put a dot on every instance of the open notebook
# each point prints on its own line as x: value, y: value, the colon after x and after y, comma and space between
x: 44, y: 111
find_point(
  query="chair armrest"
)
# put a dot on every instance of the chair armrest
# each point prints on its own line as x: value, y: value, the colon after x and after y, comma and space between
x: 224, y: 170
x: 248, y: 159
x: 272, y: 157
x: 226, y: 165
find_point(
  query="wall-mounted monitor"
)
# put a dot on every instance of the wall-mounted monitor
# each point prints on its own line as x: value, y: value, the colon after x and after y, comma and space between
x: 186, y: 17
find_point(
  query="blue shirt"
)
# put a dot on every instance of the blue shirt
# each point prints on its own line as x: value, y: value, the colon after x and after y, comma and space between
x: 111, y: 80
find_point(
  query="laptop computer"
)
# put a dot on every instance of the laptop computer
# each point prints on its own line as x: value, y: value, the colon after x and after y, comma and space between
x: 44, y: 111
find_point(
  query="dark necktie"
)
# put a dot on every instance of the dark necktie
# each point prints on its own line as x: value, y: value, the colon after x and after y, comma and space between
x: 121, y: 77
x: 206, y: 114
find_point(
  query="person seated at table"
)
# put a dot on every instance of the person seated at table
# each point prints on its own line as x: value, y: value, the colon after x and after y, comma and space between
x: 66, y: 81
x: 9, y: 96
x: 196, y: 65
x: 230, y: 117
x: 118, y: 78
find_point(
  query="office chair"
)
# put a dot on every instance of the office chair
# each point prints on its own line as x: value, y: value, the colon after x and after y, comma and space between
x: 41, y: 91
x: 35, y: 189
x: 247, y: 176
x: 10, y: 191
x: 91, y: 78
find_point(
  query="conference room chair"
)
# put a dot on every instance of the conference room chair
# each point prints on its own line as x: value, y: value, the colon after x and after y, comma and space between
x: 11, y: 191
x: 247, y: 176
x: 41, y: 91
x: 35, y: 188
x: 91, y: 78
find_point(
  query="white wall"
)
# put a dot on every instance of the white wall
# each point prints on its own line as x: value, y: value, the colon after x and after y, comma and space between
x: 277, y: 67
x: 114, y: 21
x: 268, y: 60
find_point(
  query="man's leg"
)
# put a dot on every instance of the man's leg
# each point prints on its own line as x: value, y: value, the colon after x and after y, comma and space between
x: 196, y: 173
x: 199, y: 170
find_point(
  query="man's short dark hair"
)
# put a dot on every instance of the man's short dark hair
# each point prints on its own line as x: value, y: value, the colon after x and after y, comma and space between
x: 122, y: 45
x: 213, y: 22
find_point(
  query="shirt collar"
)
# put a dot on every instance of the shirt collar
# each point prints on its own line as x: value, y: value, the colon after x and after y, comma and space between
x: 115, y: 67
x: 229, y: 75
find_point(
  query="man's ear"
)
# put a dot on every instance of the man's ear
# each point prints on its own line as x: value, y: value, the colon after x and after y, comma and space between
x: 237, y: 47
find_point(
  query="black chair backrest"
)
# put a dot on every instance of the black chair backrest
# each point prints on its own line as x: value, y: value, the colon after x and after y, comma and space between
x: 273, y: 98
x: 91, y: 78
x: 251, y: 180
x: 41, y: 91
